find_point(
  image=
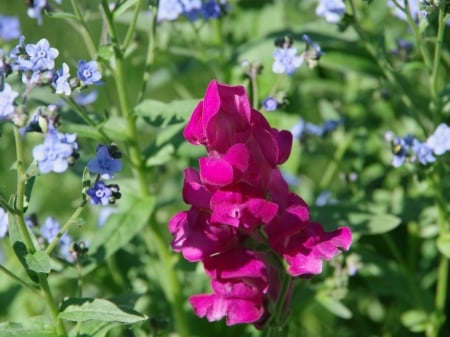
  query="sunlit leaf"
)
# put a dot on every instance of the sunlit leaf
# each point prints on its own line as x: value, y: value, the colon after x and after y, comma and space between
x: 86, y: 309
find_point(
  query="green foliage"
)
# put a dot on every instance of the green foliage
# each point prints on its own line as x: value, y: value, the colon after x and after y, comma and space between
x: 122, y: 277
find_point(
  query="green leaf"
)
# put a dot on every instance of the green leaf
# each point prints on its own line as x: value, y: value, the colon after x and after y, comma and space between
x: 415, y: 320
x: 86, y: 309
x: 367, y: 223
x: 18, y: 245
x: 334, y: 306
x: 83, y: 131
x: 105, y: 52
x: 34, y: 327
x: 119, y: 229
x: 39, y: 262
x: 162, y: 156
x: 116, y: 128
x: 360, y: 221
x: 28, y: 189
x: 162, y: 114
x: 443, y: 244
x: 167, y: 141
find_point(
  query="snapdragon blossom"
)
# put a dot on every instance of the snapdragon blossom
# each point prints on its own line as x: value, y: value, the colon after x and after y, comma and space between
x: 238, y: 194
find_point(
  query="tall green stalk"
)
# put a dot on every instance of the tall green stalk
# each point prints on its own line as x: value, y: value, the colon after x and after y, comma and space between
x: 139, y: 170
x: 31, y: 249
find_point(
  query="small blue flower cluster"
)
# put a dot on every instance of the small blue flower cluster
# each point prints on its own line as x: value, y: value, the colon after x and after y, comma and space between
x: 331, y: 10
x: 35, y: 64
x: 303, y: 129
x: 170, y: 10
x: 410, y: 148
x: 106, y: 162
x: 286, y: 58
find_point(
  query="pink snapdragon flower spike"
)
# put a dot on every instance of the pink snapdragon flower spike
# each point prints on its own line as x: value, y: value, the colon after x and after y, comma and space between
x: 245, y: 226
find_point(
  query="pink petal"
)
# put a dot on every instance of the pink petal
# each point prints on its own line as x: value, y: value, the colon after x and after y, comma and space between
x: 236, y: 311
x: 194, y: 192
x: 308, y: 248
x: 216, y: 171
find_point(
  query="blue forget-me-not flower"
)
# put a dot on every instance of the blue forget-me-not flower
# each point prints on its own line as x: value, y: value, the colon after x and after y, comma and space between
x: 103, y: 194
x: 106, y: 162
x: 211, y: 9
x: 286, y: 60
x: 3, y: 222
x: 41, y: 55
x: 422, y: 153
x: 61, y: 80
x: 9, y: 27
x: 7, y: 97
x: 331, y: 10
x: 56, y: 152
x: 88, y: 73
x: 270, y: 103
x: 439, y: 141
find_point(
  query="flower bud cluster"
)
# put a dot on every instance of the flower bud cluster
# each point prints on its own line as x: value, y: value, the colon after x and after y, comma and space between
x: 244, y: 224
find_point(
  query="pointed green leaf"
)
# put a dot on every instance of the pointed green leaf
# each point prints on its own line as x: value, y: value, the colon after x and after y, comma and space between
x: 39, y: 262
x: 334, y: 306
x: 86, y: 309
x: 18, y: 245
x: 162, y: 114
x: 34, y: 327
x: 116, y: 128
x: 374, y: 223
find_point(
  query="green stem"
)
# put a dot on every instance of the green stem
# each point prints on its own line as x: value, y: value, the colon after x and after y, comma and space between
x: 154, y: 241
x: 254, y: 84
x: 333, y: 165
x: 84, y: 30
x: 437, y: 55
x: 124, y: 104
x: 150, y: 57
x: 86, y: 118
x: 21, y: 179
x: 19, y: 280
x: 65, y: 227
x: 139, y: 172
x: 20, y: 196
x: 443, y: 269
x: 51, y: 303
x: 417, y: 37
x: 132, y: 27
